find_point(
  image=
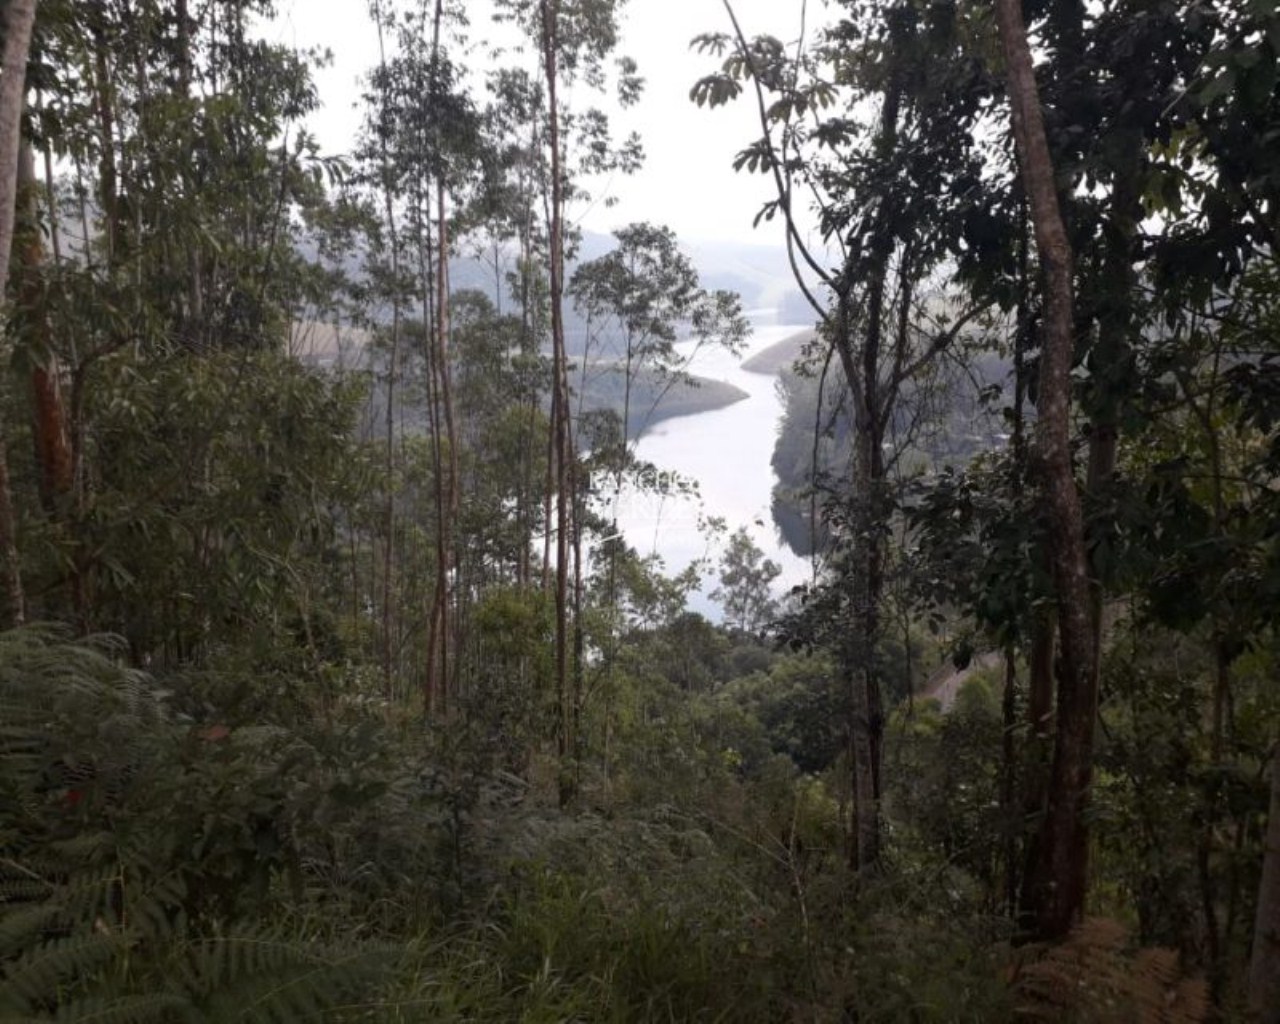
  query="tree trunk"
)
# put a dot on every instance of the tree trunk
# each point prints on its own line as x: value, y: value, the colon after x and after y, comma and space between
x: 19, y: 18
x: 560, y: 421
x: 388, y: 511
x: 108, y: 186
x: 1264, y: 968
x: 444, y: 435
x: 866, y: 712
x: 1054, y: 890
x: 49, y: 415
x: 1009, y: 810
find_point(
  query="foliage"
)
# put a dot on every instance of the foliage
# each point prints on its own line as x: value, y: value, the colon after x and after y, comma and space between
x: 745, y: 579
x: 310, y: 733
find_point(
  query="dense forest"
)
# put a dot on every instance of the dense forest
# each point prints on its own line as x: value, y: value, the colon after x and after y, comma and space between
x: 330, y: 688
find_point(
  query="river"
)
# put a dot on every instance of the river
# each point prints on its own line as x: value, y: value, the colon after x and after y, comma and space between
x: 727, y: 452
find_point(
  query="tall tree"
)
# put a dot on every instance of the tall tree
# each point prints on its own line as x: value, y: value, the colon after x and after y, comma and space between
x: 1056, y: 881
x: 574, y: 40
x: 888, y: 196
x: 19, y: 20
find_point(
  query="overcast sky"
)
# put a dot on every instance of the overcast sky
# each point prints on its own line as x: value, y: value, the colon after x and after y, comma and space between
x: 688, y: 181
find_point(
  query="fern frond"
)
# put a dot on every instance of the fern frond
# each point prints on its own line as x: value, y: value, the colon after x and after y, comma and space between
x: 143, y: 1009
x: 35, y: 978
x: 1093, y: 977
x: 265, y: 978
x: 24, y: 927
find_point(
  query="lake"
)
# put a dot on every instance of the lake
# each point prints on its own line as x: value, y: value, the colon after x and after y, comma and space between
x: 727, y: 452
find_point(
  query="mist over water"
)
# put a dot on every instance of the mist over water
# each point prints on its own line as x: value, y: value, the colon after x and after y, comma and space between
x: 726, y: 452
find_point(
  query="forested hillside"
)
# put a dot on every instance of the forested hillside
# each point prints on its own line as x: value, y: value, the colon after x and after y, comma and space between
x: 330, y: 688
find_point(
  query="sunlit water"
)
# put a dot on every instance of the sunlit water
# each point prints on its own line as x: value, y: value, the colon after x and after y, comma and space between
x: 726, y: 452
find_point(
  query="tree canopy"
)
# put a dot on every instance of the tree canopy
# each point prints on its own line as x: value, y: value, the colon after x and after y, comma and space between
x: 330, y: 685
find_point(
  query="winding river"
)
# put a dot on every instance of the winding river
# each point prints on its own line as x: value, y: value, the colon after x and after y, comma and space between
x: 727, y: 452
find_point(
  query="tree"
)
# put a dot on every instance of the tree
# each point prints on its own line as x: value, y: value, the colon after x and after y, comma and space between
x: 745, y: 580
x: 890, y: 196
x: 1055, y: 885
x: 574, y: 39
x: 19, y: 18
x: 1264, y: 968
x: 640, y: 299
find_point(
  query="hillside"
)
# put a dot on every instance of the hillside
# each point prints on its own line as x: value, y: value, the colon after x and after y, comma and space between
x: 781, y: 355
x: 652, y: 399
x: 602, y: 386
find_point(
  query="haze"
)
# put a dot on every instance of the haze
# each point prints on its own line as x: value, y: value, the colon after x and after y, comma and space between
x: 688, y: 181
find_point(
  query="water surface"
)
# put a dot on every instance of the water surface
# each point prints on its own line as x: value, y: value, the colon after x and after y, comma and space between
x: 726, y: 451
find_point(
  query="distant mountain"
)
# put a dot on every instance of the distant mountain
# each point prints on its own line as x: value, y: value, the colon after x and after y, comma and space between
x: 603, y: 386
x: 759, y: 274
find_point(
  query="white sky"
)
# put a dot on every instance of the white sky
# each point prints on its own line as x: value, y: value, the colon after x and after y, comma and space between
x: 688, y: 181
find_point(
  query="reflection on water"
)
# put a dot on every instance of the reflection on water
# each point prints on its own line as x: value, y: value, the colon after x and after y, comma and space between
x: 726, y: 451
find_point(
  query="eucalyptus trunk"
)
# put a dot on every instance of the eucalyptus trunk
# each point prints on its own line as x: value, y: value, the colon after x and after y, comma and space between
x: 49, y: 424
x: 393, y: 359
x: 550, y: 14
x: 19, y: 19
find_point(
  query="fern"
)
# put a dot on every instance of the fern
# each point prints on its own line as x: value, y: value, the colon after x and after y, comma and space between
x: 114, y: 908
x: 261, y: 976
x: 135, y: 1009
x: 1094, y: 978
x: 38, y: 978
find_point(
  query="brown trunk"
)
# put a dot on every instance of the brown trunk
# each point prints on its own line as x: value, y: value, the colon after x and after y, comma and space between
x: 1054, y: 890
x: 1264, y: 967
x: 49, y: 415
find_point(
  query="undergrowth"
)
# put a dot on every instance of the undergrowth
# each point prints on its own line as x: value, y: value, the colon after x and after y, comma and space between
x: 163, y: 861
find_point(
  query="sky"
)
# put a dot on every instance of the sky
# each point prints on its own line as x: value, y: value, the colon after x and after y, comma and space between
x: 688, y: 181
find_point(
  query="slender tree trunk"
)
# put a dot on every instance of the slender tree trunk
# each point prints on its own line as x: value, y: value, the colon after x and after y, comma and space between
x: 1054, y: 890
x: 195, y: 255
x: 1009, y: 808
x: 388, y: 512
x: 866, y: 713
x: 434, y: 697
x: 550, y: 11
x: 19, y: 18
x: 104, y: 109
x: 447, y: 462
x: 441, y: 668
x: 1039, y: 709
x: 1264, y: 967
x: 49, y: 414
